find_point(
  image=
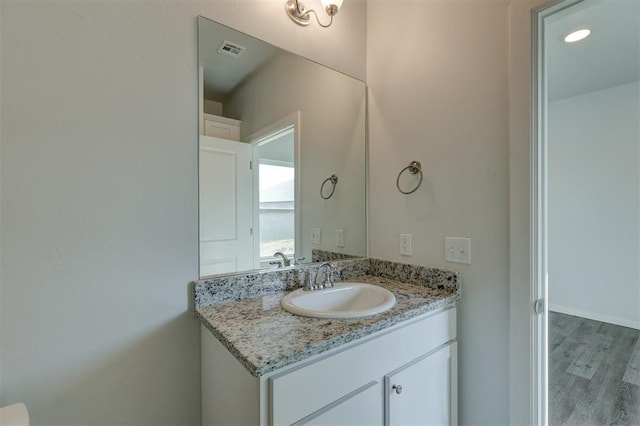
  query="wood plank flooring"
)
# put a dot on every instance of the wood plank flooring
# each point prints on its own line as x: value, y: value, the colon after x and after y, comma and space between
x: 594, y: 372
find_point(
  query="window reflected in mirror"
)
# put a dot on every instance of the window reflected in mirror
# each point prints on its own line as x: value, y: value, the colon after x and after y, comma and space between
x: 276, y: 200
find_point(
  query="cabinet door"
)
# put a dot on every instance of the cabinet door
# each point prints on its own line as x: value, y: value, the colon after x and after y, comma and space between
x: 221, y: 130
x: 424, y: 392
x: 361, y: 407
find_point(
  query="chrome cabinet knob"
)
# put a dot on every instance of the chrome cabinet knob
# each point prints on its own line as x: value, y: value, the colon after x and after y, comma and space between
x: 397, y: 388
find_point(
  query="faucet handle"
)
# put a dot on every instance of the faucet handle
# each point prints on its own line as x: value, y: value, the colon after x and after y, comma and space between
x: 326, y: 276
x: 321, y: 279
x: 330, y: 266
x: 312, y: 282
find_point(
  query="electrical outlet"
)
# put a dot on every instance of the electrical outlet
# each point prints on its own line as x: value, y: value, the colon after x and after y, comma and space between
x: 315, y: 236
x: 457, y: 250
x: 340, y: 238
x: 405, y: 244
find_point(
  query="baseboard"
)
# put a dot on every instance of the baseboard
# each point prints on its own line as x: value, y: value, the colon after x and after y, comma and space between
x: 597, y: 317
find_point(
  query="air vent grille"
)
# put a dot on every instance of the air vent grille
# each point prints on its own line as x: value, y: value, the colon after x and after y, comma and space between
x: 231, y: 49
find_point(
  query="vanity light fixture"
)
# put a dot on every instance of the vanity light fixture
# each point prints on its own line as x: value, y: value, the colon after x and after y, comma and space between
x: 577, y: 35
x: 299, y: 15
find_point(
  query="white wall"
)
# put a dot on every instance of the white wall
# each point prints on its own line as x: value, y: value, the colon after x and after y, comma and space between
x: 594, y: 195
x: 99, y: 202
x: 438, y: 83
x: 332, y: 141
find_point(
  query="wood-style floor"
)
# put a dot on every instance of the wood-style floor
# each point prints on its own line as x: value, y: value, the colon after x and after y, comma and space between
x: 594, y: 372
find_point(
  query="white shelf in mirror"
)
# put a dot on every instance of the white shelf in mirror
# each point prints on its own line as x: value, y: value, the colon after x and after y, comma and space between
x: 221, y: 127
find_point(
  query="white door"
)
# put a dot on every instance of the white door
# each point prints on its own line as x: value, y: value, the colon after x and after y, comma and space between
x: 424, y: 391
x: 226, y: 242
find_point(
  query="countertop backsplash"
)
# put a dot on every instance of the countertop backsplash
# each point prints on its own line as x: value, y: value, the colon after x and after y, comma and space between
x: 234, y: 287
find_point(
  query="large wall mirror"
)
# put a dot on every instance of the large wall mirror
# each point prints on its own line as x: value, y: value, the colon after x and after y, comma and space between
x: 282, y: 168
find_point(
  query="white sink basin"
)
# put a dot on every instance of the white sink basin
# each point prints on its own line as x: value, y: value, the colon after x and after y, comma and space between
x: 343, y: 300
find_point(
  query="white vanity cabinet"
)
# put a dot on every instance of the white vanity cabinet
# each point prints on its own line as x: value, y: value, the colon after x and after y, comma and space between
x: 352, y: 384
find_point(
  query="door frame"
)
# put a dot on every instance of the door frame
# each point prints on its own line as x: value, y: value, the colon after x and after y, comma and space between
x: 290, y: 120
x: 539, y: 211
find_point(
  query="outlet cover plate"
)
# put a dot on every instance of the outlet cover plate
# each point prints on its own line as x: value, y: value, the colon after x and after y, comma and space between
x: 315, y: 236
x: 340, y: 238
x: 405, y: 245
x: 457, y: 250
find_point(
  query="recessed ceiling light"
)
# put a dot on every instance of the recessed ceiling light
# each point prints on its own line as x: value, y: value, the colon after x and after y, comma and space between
x: 577, y: 35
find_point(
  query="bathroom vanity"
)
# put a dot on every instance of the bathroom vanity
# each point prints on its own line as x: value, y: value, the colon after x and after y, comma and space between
x: 262, y: 365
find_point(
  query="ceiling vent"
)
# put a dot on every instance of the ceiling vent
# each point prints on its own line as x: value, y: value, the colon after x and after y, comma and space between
x: 231, y: 49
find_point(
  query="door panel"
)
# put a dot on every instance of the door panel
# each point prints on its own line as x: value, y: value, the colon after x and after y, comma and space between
x: 225, y: 206
x: 424, y: 391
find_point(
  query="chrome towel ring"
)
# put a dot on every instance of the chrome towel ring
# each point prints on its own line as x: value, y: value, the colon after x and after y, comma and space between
x: 414, y: 168
x: 334, y: 180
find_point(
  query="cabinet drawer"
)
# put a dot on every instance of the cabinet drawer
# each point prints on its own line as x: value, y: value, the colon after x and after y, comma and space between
x: 360, y: 408
x: 320, y: 382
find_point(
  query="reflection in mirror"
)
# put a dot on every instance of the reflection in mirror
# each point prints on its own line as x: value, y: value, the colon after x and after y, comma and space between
x: 273, y: 127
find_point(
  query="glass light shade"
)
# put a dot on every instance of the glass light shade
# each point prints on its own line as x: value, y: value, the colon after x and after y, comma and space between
x: 326, y: 3
x: 577, y: 36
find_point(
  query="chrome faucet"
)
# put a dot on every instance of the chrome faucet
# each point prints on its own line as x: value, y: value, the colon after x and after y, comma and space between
x: 324, y: 273
x: 285, y: 260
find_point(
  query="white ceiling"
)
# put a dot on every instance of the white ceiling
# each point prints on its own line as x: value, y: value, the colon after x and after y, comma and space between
x: 222, y: 72
x: 609, y: 57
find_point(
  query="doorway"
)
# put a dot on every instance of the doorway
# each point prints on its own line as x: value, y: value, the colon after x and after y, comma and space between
x: 587, y: 212
x: 276, y: 193
x: 275, y: 201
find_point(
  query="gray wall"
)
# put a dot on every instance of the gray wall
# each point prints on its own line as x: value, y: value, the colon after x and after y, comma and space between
x: 99, y: 202
x: 438, y: 85
x: 98, y: 232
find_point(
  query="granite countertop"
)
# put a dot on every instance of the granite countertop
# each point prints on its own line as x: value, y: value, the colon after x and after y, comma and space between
x: 264, y: 337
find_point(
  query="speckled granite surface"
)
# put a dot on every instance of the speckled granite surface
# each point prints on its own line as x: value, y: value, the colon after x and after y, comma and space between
x: 318, y: 255
x: 246, y: 316
x: 264, y: 337
x: 228, y: 288
x: 440, y: 278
